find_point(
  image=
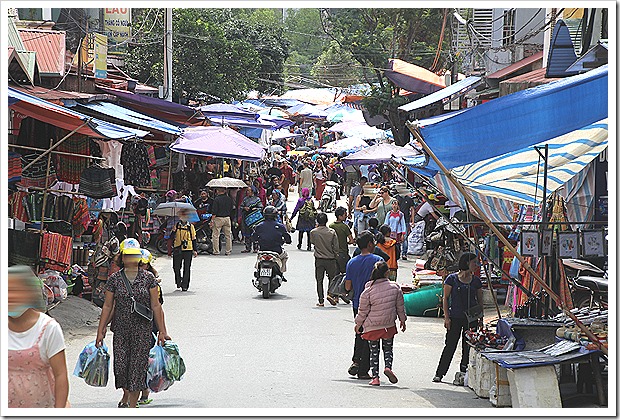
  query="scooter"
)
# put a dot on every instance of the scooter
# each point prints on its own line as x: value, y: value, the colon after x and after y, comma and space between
x: 328, y: 199
x: 587, y: 291
x: 268, y: 274
x: 203, y: 234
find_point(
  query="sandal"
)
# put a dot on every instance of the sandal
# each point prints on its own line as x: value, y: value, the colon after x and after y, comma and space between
x: 145, y: 401
x: 123, y: 405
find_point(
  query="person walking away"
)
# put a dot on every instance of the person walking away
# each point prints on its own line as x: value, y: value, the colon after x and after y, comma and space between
x: 222, y: 210
x: 381, y: 303
x: 325, y: 243
x: 351, y: 177
x: 307, y: 216
x: 382, y: 203
x: 388, y: 245
x: 395, y: 219
x: 359, y: 270
x: 461, y: 291
x: 353, y: 193
x: 345, y: 237
x: 320, y: 177
x: 185, y: 248
x: 37, y: 366
x: 132, y: 333
x: 250, y: 208
x: 406, y: 204
x: 363, y: 205
x: 287, y: 177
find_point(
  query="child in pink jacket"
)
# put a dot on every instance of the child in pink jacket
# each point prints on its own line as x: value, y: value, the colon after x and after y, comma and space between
x: 381, y: 303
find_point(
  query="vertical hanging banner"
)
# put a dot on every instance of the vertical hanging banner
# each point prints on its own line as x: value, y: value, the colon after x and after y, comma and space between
x: 100, y: 54
x: 117, y: 27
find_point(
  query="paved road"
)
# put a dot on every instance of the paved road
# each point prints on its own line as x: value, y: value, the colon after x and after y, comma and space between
x: 243, y: 351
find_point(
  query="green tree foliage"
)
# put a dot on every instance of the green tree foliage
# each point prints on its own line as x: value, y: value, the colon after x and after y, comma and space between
x: 336, y: 67
x: 307, y: 40
x: 375, y: 35
x: 218, y: 54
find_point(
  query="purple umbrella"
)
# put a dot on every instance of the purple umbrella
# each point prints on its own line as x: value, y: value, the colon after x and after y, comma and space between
x: 216, y: 141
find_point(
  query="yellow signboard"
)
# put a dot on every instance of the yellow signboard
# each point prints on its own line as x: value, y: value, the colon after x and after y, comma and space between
x: 100, y: 52
x: 117, y: 27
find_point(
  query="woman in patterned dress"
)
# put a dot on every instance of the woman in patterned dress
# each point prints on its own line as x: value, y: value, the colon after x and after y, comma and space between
x: 131, y: 342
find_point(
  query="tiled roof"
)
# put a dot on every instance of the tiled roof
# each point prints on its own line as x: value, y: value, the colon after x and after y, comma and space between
x: 50, y: 48
x: 516, y: 66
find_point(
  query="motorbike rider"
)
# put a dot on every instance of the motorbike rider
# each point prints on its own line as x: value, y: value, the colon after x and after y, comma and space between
x: 271, y: 235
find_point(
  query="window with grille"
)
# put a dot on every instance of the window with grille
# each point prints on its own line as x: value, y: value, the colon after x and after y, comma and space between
x: 508, y: 34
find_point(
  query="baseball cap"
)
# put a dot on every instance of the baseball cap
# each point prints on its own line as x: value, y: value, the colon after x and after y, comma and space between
x: 147, y: 257
x: 130, y: 246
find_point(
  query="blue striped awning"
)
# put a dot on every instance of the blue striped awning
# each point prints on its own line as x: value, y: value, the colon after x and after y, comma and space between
x: 517, y: 177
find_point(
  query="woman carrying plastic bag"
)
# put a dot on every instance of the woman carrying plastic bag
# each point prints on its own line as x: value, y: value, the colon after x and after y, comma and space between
x: 93, y: 365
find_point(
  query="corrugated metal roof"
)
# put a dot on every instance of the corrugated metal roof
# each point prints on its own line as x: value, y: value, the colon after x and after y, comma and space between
x: 443, y: 95
x: 525, y: 81
x: 56, y: 96
x: 50, y: 48
x: 11, y: 51
x: 516, y: 66
x: 13, y: 36
x: 561, y: 52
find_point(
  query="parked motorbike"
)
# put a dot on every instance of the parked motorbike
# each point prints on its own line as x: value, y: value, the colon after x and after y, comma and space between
x: 268, y: 274
x: 328, y: 199
x: 590, y: 290
x: 203, y: 234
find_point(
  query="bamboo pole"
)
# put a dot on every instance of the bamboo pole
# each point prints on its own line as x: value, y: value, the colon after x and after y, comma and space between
x: 47, y: 176
x: 512, y: 249
x: 52, y: 147
x: 36, y: 149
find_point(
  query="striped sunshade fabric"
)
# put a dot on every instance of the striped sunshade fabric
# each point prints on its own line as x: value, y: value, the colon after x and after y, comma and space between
x: 517, y: 177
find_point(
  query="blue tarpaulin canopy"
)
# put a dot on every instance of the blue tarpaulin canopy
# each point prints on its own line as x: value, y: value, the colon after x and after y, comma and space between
x: 519, y: 120
x: 444, y: 95
x: 130, y: 116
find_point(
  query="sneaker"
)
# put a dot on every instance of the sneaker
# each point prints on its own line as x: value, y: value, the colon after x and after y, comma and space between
x: 374, y: 381
x: 353, y: 369
x: 332, y: 300
x: 437, y: 379
x: 388, y: 372
x: 145, y: 401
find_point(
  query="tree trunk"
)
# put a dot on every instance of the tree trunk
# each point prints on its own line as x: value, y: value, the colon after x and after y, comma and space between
x: 399, y: 130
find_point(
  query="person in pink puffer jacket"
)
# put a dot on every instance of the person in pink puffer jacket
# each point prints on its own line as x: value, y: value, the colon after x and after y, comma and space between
x: 381, y: 303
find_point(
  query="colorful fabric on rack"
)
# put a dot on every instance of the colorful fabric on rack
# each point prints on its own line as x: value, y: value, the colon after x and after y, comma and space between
x: 33, y: 203
x: 17, y: 206
x: 56, y: 249
x: 36, y: 175
x: 162, y: 156
x: 155, y: 183
x: 23, y: 247
x: 81, y: 216
x: 69, y: 168
x: 151, y: 152
x: 15, y: 167
x: 135, y: 161
x: 94, y: 205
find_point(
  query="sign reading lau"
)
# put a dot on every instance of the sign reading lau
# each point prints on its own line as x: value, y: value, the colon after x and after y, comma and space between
x: 117, y: 27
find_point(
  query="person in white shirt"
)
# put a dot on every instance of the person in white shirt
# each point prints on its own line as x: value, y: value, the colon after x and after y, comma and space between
x: 37, y: 367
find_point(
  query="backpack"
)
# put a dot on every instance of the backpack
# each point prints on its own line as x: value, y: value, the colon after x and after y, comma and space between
x: 307, y: 211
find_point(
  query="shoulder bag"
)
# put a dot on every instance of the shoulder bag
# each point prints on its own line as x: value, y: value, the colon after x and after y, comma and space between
x: 472, y: 313
x: 136, y: 307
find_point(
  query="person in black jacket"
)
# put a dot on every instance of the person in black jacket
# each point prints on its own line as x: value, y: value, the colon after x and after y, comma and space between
x: 222, y: 210
x: 271, y: 235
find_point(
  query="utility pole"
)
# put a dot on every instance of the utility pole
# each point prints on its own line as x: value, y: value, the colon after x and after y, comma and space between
x: 168, y: 57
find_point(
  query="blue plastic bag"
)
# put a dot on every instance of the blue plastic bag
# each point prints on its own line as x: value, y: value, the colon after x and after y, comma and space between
x: 156, y: 378
x: 93, y: 365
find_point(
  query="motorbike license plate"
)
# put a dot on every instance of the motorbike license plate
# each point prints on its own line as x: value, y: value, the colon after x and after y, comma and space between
x: 265, y: 272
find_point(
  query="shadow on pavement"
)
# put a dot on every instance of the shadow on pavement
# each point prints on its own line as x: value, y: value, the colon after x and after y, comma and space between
x: 449, y: 397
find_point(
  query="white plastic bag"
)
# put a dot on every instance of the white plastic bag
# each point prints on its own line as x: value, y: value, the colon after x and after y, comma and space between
x: 415, y: 240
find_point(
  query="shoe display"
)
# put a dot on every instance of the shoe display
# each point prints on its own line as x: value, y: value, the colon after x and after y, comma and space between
x: 437, y: 379
x: 375, y: 381
x: 353, y: 369
x: 388, y: 372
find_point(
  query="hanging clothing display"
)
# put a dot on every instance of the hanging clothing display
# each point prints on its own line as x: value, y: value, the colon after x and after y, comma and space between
x: 151, y: 152
x: 135, y: 161
x: 111, y: 150
x: 98, y: 182
x: 17, y: 206
x: 56, y: 251
x: 36, y: 175
x: 23, y: 247
x: 33, y: 203
x: 94, y: 205
x: 64, y: 208
x: 69, y: 168
x: 15, y: 167
x: 81, y: 217
x: 118, y: 202
x: 162, y: 156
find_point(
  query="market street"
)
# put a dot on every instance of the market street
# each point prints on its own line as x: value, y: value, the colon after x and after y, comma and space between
x: 244, y: 351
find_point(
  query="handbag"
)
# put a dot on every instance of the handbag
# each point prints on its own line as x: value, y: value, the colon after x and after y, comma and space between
x: 288, y: 224
x: 136, y: 307
x: 472, y: 313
